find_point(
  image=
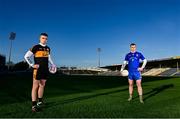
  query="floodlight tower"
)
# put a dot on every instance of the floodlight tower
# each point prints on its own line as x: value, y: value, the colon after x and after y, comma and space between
x: 12, y: 37
x: 99, y: 59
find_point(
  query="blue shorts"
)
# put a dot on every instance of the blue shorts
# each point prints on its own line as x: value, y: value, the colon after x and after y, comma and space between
x: 136, y: 75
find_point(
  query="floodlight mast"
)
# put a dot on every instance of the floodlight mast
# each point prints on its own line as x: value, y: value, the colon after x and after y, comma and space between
x: 12, y: 37
x: 99, y: 58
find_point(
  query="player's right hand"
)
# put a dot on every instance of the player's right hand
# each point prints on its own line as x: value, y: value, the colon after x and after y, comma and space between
x: 36, y: 66
x: 140, y: 69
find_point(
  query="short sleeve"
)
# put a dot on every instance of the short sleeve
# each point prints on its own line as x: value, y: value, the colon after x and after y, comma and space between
x: 49, y: 50
x: 34, y: 49
x: 126, y: 58
x: 142, y: 57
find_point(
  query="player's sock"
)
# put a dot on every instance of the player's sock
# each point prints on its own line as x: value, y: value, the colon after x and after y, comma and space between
x: 40, y: 102
x: 130, y: 97
x: 141, y: 99
x: 40, y: 99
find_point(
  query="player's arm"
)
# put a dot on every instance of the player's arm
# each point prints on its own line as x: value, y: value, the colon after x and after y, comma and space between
x: 125, y: 62
x: 144, y: 63
x: 27, y: 57
x: 124, y: 65
x: 50, y: 60
x: 53, y: 67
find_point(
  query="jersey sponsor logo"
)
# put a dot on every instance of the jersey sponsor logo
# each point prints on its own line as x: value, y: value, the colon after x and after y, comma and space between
x: 42, y: 54
x: 133, y: 59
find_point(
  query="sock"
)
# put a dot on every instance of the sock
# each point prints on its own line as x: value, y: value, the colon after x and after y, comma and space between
x: 130, y: 95
x: 141, y: 97
x: 34, y: 103
x: 40, y: 99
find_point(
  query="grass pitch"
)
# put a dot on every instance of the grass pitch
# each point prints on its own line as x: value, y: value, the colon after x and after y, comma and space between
x: 90, y: 96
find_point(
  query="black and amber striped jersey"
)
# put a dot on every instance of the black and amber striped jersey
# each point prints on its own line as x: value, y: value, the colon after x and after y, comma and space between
x: 41, y: 55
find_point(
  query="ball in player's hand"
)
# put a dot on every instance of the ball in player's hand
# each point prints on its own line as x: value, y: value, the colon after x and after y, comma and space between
x: 53, y: 69
x: 124, y: 73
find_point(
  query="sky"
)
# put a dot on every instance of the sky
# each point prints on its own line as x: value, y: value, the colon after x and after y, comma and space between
x: 76, y: 28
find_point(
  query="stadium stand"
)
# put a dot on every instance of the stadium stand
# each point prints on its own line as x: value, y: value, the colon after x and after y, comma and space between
x: 169, y: 72
x: 81, y: 71
x: 155, y: 71
x: 160, y: 67
x: 2, y: 62
x: 177, y: 74
x: 110, y: 73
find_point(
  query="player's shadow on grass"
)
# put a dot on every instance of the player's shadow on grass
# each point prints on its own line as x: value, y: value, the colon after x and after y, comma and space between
x: 51, y: 104
x: 157, y: 90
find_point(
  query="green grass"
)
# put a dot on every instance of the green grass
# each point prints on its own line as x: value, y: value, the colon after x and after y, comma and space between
x: 90, y: 96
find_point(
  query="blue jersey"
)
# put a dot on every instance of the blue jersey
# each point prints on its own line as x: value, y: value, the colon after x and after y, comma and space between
x: 133, y: 60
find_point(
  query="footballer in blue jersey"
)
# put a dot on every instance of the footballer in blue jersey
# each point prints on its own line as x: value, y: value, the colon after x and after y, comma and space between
x: 133, y: 60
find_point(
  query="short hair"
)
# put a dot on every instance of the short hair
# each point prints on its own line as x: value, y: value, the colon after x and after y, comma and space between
x: 44, y: 34
x: 132, y: 44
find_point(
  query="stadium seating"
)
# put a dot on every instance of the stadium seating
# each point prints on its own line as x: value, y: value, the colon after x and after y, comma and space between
x: 110, y: 73
x: 162, y: 72
x: 169, y: 72
x: 155, y: 71
x: 177, y: 74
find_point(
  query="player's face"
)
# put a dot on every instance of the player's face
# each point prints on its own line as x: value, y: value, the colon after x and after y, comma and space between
x: 43, y: 39
x: 133, y: 48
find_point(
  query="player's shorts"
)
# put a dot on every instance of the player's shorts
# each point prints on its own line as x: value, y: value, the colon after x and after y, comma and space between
x: 39, y: 74
x: 135, y: 75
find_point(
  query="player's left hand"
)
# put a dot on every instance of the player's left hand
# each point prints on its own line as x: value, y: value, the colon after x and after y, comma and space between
x: 140, y: 69
x: 53, y: 69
